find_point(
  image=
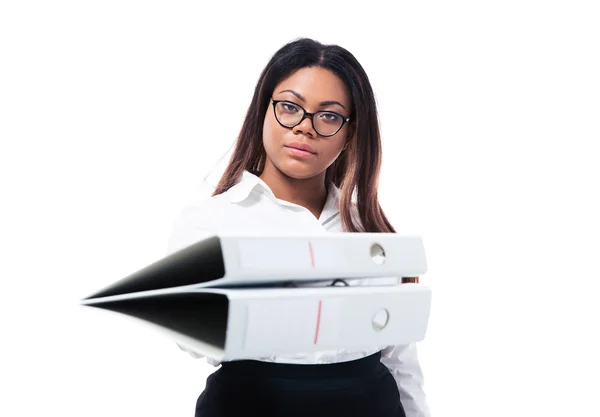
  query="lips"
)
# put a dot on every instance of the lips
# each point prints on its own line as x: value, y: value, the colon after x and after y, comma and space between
x: 301, y: 146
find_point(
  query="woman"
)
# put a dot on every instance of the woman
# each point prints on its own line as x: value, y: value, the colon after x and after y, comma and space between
x: 310, y: 141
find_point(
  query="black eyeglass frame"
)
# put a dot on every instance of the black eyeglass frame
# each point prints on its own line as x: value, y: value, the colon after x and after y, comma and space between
x: 310, y: 116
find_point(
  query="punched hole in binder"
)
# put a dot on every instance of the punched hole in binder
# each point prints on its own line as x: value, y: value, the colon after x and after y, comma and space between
x: 377, y: 254
x: 380, y: 319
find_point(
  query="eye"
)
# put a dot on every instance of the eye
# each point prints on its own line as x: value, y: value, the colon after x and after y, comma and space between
x: 330, y: 117
x: 289, y: 107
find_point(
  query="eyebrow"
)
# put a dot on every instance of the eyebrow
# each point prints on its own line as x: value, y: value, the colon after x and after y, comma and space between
x: 322, y: 104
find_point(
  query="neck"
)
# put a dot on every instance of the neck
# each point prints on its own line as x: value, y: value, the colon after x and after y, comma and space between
x: 310, y: 193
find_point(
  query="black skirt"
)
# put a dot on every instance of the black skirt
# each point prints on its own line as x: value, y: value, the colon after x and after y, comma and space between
x: 363, y: 387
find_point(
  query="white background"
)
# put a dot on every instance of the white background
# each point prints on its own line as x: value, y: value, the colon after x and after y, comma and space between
x: 113, y: 112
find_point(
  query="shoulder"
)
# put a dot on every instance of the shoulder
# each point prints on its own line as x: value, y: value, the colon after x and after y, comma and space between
x: 202, y: 210
x: 196, y: 220
x: 209, y: 211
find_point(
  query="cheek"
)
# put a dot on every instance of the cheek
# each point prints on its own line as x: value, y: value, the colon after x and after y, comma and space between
x: 334, y: 148
x: 271, y: 130
x: 333, y: 154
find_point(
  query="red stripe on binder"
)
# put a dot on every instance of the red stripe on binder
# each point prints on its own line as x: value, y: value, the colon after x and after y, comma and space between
x: 312, y: 255
x: 318, y: 322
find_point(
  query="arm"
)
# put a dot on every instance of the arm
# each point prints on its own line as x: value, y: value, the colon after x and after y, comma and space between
x: 191, y: 225
x: 403, y: 363
x: 192, y: 352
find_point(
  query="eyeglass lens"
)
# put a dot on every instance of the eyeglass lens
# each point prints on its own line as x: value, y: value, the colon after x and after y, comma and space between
x: 324, y: 122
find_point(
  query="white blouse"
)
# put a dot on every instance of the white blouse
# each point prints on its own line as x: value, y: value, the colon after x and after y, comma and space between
x: 251, y: 206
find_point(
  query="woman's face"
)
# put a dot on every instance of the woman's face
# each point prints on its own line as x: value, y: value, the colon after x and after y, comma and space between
x: 314, y: 89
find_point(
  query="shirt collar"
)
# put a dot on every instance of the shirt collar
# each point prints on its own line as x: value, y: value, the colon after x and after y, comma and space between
x: 332, y: 204
x: 244, y: 186
x: 249, y: 181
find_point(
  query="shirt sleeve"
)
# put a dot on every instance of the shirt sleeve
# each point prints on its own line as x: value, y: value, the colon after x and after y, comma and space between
x: 403, y: 363
x: 191, y: 225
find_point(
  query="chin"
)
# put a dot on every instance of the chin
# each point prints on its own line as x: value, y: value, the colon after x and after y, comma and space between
x: 298, y: 172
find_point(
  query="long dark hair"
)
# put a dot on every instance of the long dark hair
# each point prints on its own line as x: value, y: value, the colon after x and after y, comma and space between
x: 357, y: 168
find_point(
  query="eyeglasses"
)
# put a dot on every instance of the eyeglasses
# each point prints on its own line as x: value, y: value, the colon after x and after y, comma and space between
x: 326, y: 123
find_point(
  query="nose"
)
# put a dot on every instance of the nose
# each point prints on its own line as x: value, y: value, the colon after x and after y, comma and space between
x: 305, y: 127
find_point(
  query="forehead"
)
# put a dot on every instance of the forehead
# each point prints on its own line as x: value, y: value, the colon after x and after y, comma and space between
x: 316, y: 84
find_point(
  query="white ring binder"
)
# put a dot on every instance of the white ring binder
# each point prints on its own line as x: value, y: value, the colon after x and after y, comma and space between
x: 237, y: 296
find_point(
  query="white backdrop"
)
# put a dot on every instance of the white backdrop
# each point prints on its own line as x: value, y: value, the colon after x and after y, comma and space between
x: 113, y: 112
